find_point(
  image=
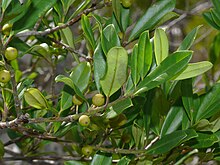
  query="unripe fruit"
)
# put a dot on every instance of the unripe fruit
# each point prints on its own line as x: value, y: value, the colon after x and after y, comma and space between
x: 84, y: 120
x: 98, y: 100
x: 126, y: 3
x: 6, y: 29
x: 87, y: 150
x: 11, y: 53
x: 5, y: 76
x: 77, y: 100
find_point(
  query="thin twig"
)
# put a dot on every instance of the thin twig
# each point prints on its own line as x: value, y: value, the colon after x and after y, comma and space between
x: 71, y: 22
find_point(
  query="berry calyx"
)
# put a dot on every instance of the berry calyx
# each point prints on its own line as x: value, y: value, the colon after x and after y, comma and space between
x: 98, y: 100
x: 84, y: 120
x: 11, y: 53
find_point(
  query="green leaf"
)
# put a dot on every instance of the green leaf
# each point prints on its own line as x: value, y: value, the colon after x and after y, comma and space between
x: 35, y: 98
x: 2, y: 150
x: 193, y: 70
x: 171, y: 66
x: 187, y: 97
x: 167, y: 142
x: 80, y: 8
x: 74, y: 162
x: 161, y: 45
x: 121, y: 14
x: 99, y: 66
x: 210, y: 104
x: 124, y: 161
x: 68, y: 81
x: 66, y: 98
x: 205, y: 140
x: 151, y: 17
x: 109, y: 38
x: 67, y: 36
x: 5, y: 4
x: 81, y: 75
x: 134, y: 65
x: 209, y: 19
x: 118, y: 108
x: 173, y: 120
x: 189, y: 39
x: 36, y: 10
x: 101, y: 159
x: 87, y: 29
x: 116, y: 75
x: 144, y: 58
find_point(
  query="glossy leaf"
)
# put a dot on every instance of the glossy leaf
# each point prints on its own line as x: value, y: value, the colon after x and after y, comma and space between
x: 66, y: 98
x: 37, y: 9
x: 144, y: 58
x: 101, y: 159
x: 35, y: 98
x: 99, y: 66
x: 161, y: 45
x: 109, y: 38
x: 68, y: 81
x: 87, y: 29
x: 167, y: 142
x: 171, y: 66
x: 67, y: 36
x: 151, y: 17
x: 5, y: 4
x: 210, y: 104
x: 116, y: 75
x: 189, y: 39
x: 209, y: 19
x: 121, y: 14
x: 205, y: 140
x: 81, y: 75
x: 194, y: 69
x: 124, y: 161
x: 73, y: 162
x: 173, y: 120
x: 118, y: 107
x: 134, y: 65
x: 187, y: 97
x: 80, y: 8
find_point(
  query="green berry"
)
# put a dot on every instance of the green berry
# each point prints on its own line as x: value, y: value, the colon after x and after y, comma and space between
x: 5, y: 76
x: 98, y: 100
x: 126, y: 3
x: 84, y: 120
x: 87, y: 150
x: 11, y: 53
x: 6, y: 29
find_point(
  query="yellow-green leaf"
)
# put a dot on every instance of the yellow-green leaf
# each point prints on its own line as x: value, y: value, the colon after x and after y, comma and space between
x: 195, y: 69
x: 35, y: 98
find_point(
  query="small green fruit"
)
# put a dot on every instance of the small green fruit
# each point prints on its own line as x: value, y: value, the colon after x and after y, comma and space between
x: 87, y: 150
x: 127, y: 3
x: 5, y: 76
x: 77, y: 100
x: 11, y: 53
x: 6, y: 29
x: 84, y: 120
x: 98, y: 100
